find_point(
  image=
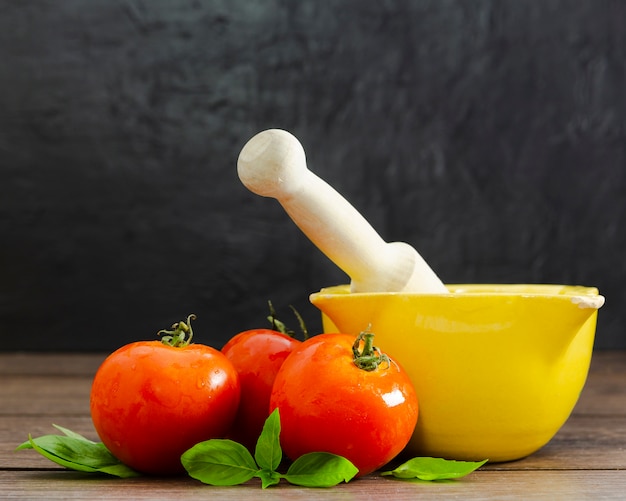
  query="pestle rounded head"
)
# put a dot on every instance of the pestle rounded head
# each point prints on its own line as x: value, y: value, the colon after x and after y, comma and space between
x: 272, y: 163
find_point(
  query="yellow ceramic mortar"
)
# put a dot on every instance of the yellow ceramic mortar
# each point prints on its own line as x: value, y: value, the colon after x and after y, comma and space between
x: 497, y: 368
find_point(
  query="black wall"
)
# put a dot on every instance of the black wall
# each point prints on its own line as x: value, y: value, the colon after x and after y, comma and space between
x: 491, y: 135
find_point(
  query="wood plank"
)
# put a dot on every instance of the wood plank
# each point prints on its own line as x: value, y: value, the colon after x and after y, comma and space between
x: 22, y: 394
x: 584, y: 442
x: 33, y: 364
x: 87, y: 363
x: 45, y: 395
x: 485, y: 485
x: 612, y: 361
x: 604, y: 394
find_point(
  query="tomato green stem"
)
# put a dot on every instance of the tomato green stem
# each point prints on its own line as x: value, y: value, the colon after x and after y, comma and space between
x: 180, y: 335
x: 305, y: 332
x: 279, y: 326
x: 369, y: 357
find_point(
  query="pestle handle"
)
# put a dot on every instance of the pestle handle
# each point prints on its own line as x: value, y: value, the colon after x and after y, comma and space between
x: 273, y: 164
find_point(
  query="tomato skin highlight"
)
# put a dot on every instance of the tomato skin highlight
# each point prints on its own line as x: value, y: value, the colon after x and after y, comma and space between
x: 257, y: 355
x: 151, y: 402
x: 328, y: 404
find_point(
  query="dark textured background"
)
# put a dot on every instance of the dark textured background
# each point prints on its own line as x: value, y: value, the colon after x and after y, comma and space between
x: 491, y: 135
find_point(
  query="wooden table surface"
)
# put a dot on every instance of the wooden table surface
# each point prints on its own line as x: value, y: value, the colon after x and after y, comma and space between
x: 585, y: 460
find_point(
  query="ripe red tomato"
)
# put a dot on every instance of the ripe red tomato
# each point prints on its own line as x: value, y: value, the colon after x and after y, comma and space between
x: 151, y: 401
x: 329, y: 404
x: 257, y: 355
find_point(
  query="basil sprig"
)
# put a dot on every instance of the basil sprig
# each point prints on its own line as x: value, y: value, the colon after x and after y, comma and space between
x: 76, y: 452
x: 224, y: 462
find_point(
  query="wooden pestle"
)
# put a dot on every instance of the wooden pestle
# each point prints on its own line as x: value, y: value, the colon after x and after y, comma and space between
x: 273, y: 164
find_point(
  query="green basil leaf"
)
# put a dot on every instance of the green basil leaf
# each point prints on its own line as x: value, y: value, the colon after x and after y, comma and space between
x: 427, y: 468
x: 71, y: 433
x: 219, y: 462
x: 320, y: 469
x: 78, y: 454
x: 45, y: 452
x: 268, y: 453
x: 268, y: 477
x: 119, y: 470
